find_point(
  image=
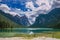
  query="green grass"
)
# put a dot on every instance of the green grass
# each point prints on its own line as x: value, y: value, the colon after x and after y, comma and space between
x: 56, y: 34
x: 16, y: 34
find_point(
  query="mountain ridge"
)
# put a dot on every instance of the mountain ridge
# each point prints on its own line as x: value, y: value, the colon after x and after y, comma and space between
x: 51, y: 20
x: 7, y: 23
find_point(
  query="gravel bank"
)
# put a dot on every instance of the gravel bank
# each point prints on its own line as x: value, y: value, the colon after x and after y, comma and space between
x: 21, y: 38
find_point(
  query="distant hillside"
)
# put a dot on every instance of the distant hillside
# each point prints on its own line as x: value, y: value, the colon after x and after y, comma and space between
x: 50, y: 20
x: 7, y: 23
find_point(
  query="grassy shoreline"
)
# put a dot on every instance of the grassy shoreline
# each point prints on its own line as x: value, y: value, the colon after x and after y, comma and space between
x: 14, y: 34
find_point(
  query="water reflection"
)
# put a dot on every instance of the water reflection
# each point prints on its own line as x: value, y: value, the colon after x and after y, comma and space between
x: 28, y: 30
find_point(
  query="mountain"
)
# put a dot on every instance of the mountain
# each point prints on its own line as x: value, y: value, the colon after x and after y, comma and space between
x: 7, y: 23
x: 26, y: 12
x: 50, y: 20
x: 17, y: 19
x: 24, y: 21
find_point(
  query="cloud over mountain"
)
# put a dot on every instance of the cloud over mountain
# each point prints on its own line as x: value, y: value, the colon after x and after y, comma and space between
x: 31, y: 13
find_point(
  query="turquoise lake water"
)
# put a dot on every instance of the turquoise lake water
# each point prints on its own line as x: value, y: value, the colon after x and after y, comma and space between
x: 28, y: 30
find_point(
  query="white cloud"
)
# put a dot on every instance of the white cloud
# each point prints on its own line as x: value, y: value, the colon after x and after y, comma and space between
x: 30, y: 5
x: 31, y: 15
x: 43, y: 5
x: 10, y: 11
x: 6, y: 9
x: 57, y: 3
x: 18, y: 12
x: 13, y: 13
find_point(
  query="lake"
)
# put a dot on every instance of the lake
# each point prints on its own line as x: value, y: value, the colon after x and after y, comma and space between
x: 29, y: 30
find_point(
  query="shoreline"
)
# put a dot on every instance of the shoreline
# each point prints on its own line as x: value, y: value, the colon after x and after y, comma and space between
x: 22, y: 38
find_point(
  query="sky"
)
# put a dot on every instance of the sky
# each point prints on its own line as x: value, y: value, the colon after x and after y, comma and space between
x: 30, y: 8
